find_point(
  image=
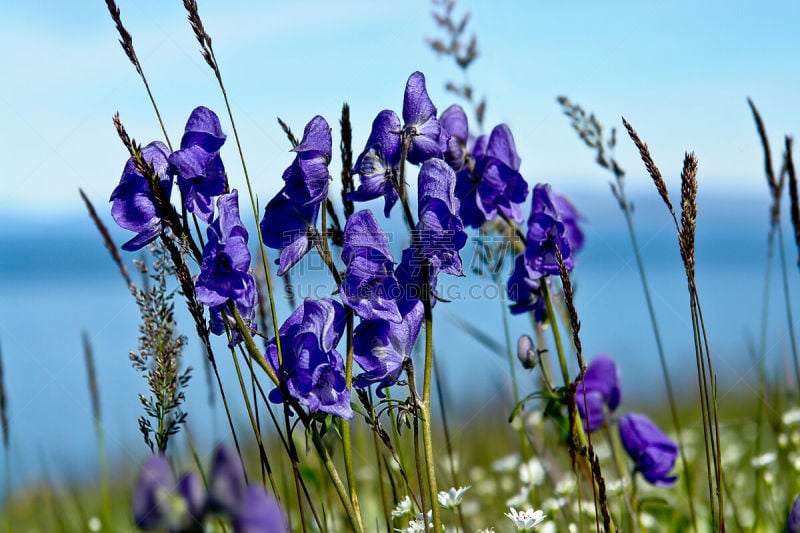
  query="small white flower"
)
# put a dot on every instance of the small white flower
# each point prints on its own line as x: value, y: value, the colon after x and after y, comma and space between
x: 414, y: 526
x: 421, y: 519
x: 566, y: 486
x: 554, y: 504
x: 452, y: 498
x: 791, y: 417
x: 520, y: 498
x: 507, y: 463
x: 95, y: 524
x: 403, y: 508
x: 532, y: 472
x: 763, y: 460
x: 526, y: 520
x: 487, y: 530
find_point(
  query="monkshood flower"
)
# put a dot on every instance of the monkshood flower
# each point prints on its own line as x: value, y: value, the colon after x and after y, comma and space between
x: 440, y: 233
x: 546, y: 231
x: 287, y: 226
x: 793, y: 521
x: 381, y: 347
x: 134, y: 206
x: 369, y: 286
x: 227, y: 485
x: 570, y: 217
x: 312, y: 368
x: 525, y: 291
x: 494, y: 184
x: 307, y: 177
x: 224, y: 272
x: 652, y: 451
x: 602, y: 392
x: 201, y: 174
x: 427, y: 139
x: 157, y: 501
x: 246, y: 304
x: 454, y: 121
x: 526, y: 352
x: 260, y: 513
x: 377, y: 164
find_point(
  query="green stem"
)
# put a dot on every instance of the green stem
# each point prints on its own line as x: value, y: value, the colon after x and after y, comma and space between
x: 575, y: 419
x: 346, y: 435
x: 330, y: 468
x: 427, y: 440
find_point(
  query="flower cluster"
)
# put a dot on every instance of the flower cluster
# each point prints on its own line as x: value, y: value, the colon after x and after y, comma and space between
x: 492, y: 183
x: 225, y: 270
x: 197, y: 167
x: 134, y: 205
x: 290, y: 218
x: 310, y: 368
x: 552, y: 224
x: 598, y: 395
x: 598, y: 392
x: 162, y: 501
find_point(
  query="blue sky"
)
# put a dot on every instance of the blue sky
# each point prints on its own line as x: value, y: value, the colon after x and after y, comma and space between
x: 679, y: 71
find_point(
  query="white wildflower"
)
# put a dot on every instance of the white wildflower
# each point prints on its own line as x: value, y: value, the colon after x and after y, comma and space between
x: 403, y: 508
x: 414, y: 526
x: 507, y: 463
x: 783, y: 440
x: 532, y: 472
x: 763, y: 460
x: 520, y: 498
x: 526, y: 520
x: 565, y: 486
x: 791, y: 417
x: 452, y: 498
x: 647, y: 520
x: 95, y: 524
x: 553, y: 504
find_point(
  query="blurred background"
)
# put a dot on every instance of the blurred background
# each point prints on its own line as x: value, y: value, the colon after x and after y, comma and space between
x: 679, y: 72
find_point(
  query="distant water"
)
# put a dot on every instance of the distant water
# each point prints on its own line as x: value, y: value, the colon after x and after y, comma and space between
x: 56, y: 279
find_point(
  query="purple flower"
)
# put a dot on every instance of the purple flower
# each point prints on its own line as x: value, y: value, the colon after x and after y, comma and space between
x: 157, y: 504
x: 204, y: 130
x: 652, y: 451
x: 224, y: 272
x: 288, y: 226
x: 454, y: 121
x: 494, y: 184
x: 227, y: 484
x: 570, y: 216
x: 307, y: 177
x: 601, y: 388
x: 369, y: 286
x: 135, y: 207
x: 246, y: 304
x: 201, y: 174
x: 381, y: 347
x: 440, y: 231
x: 377, y: 164
x: 525, y: 291
x: 793, y: 521
x: 427, y: 139
x: 193, y: 493
x: 546, y: 231
x: 260, y: 513
x: 312, y: 368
